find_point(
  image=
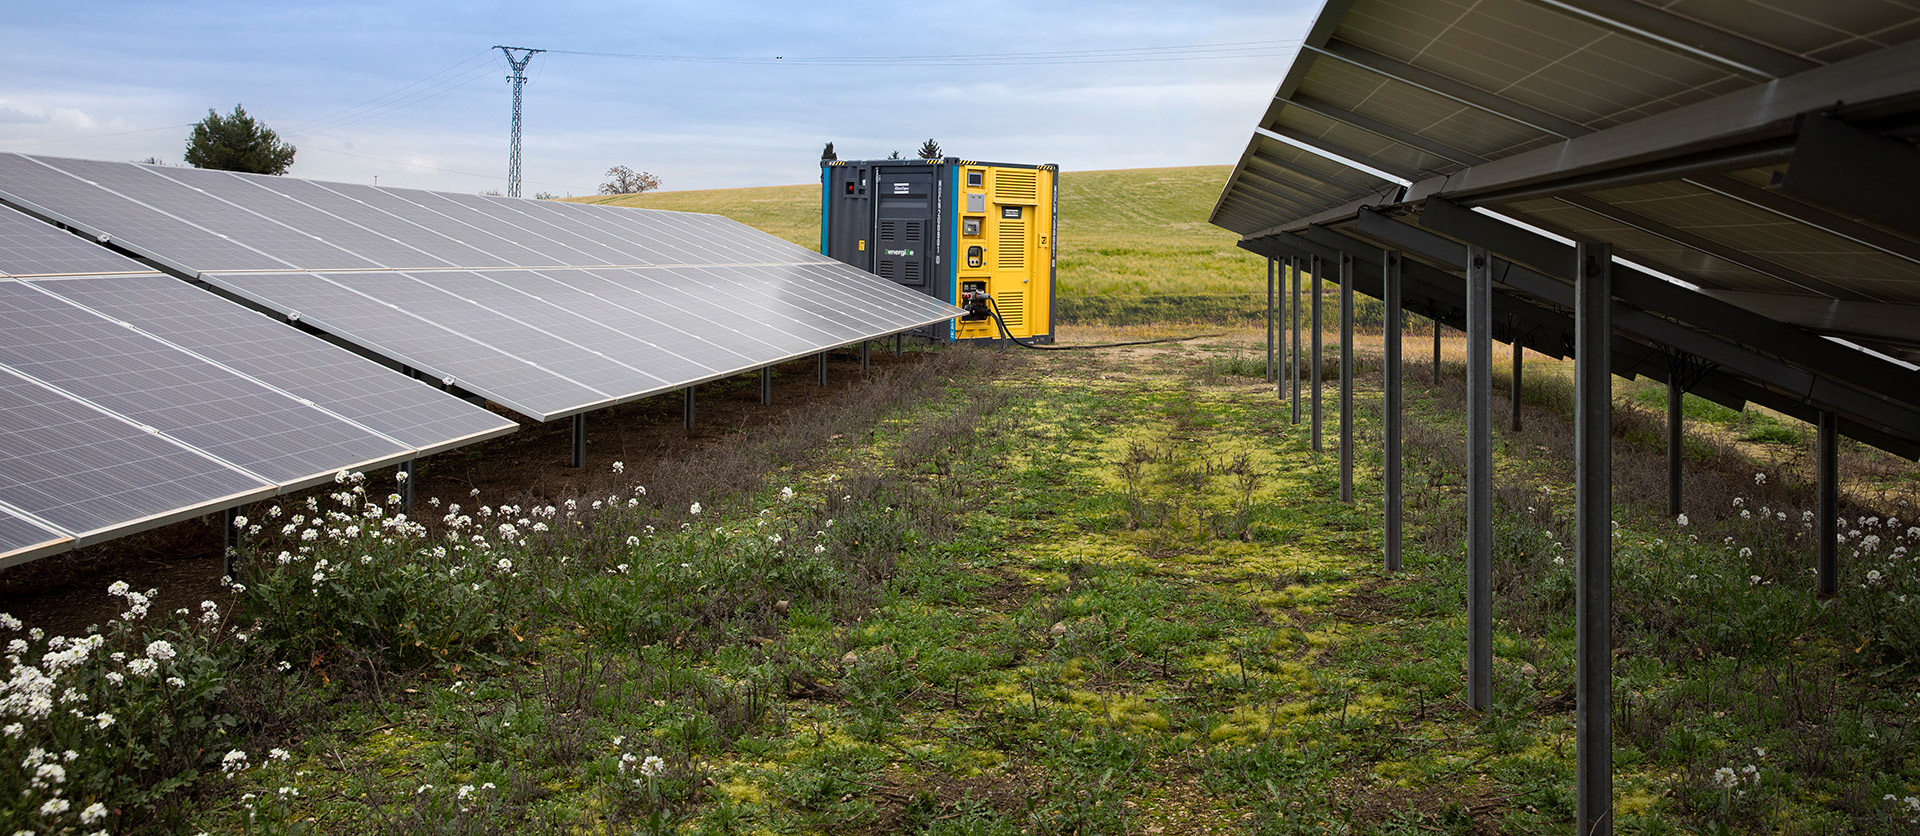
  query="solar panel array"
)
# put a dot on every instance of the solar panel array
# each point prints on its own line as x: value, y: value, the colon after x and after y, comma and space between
x: 547, y: 308
x: 129, y: 399
x: 1680, y: 133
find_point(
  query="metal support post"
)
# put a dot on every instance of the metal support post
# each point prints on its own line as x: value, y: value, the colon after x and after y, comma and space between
x: 1314, y: 376
x: 1479, y: 478
x: 864, y: 358
x: 1272, y: 371
x: 1593, y: 535
x: 1346, y: 377
x: 404, y: 475
x: 1390, y: 286
x: 1296, y: 342
x: 766, y: 385
x: 1676, y: 431
x: 232, y: 540
x: 686, y: 418
x: 823, y: 368
x: 580, y: 440
x: 1281, y: 357
x: 1433, y: 311
x: 899, y: 344
x: 1519, y: 354
x: 1828, y: 475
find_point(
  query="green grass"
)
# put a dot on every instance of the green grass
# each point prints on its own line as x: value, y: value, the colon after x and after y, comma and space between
x: 1039, y: 594
x: 1134, y: 244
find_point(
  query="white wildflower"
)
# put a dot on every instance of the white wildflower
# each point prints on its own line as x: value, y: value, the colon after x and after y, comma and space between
x: 653, y: 766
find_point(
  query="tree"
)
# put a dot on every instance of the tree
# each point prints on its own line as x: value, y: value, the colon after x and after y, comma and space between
x: 827, y: 153
x: 894, y: 156
x: 237, y: 142
x: 627, y: 181
x: 930, y: 150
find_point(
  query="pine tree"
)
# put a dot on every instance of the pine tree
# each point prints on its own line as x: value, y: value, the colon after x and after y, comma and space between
x: 827, y: 154
x: 237, y: 142
x: 930, y: 150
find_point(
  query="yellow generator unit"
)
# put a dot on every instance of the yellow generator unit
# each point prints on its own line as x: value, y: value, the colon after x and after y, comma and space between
x: 977, y: 235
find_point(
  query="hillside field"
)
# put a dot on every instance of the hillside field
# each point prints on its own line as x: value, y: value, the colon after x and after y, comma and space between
x: 1135, y: 245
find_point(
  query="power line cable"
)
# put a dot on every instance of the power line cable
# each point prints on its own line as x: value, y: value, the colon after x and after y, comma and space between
x: 439, y: 170
x: 466, y: 71
x: 1128, y: 55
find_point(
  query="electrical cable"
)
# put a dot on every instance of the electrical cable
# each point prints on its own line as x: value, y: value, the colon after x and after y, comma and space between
x: 1126, y: 55
x: 995, y: 311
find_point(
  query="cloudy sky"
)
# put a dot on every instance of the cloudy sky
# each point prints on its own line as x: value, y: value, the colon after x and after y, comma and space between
x: 709, y: 94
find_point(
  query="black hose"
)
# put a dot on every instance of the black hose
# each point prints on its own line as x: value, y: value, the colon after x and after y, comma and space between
x: 995, y: 310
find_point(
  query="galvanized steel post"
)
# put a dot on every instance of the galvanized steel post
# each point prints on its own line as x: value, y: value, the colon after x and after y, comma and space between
x: 864, y: 358
x: 1518, y: 354
x: 686, y: 418
x: 1828, y: 474
x: 1346, y: 377
x: 1296, y: 341
x: 1433, y: 312
x: 580, y: 440
x: 1676, y: 428
x: 1593, y: 534
x: 1479, y: 478
x: 823, y: 368
x: 766, y: 385
x: 1390, y: 285
x: 1282, y: 358
x: 1272, y: 371
x: 1313, y: 380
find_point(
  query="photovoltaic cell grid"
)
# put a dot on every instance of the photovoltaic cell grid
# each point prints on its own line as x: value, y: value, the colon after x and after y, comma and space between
x: 547, y: 308
x: 131, y: 399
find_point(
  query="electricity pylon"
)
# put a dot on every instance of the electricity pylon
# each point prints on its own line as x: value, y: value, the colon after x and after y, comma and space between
x: 519, y: 79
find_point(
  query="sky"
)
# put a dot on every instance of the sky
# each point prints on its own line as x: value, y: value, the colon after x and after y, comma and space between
x: 709, y: 94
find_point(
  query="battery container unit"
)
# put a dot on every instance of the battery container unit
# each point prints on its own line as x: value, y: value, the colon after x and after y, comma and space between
x: 977, y: 235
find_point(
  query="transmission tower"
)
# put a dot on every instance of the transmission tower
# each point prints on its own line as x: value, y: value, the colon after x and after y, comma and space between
x: 517, y: 58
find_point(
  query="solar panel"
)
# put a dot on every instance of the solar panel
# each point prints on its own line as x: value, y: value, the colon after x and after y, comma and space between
x: 257, y: 429
x: 29, y: 247
x: 420, y: 343
x: 22, y: 540
x: 546, y: 308
x: 344, y: 242
x: 129, y: 399
x: 88, y: 473
x: 333, y: 378
x: 36, y: 185
x: 149, y: 185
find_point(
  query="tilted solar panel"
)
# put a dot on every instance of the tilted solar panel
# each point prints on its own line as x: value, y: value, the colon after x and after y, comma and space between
x: 27, y: 248
x: 22, y: 540
x: 250, y: 343
x: 91, y: 474
x: 546, y: 308
x: 132, y: 399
